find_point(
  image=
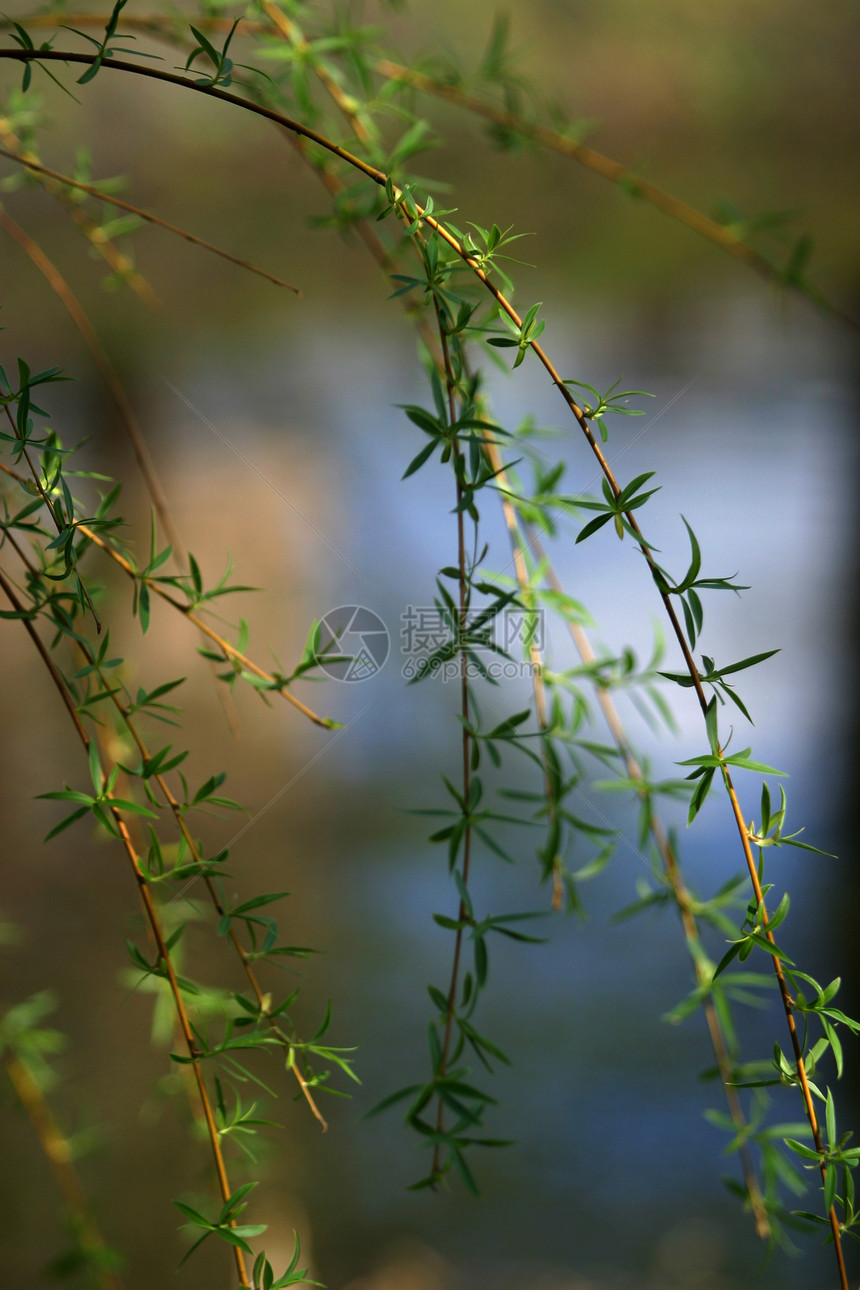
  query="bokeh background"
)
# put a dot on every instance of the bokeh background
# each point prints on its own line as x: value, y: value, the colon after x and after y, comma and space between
x: 289, y: 463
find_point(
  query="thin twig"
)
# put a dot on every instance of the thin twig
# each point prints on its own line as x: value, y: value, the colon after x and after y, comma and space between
x: 345, y: 103
x: 152, y: 919
x: 658, y: 832
x: 720, y: 235
x: 381, y: 179
x: 132, y: 427
x: 31, y: 164
x: 451, y: 1000
x: 61, y: 1158
x: 179, y: 818
x: 139, y: 446
x: 229, y: 651
x: 120, y: 264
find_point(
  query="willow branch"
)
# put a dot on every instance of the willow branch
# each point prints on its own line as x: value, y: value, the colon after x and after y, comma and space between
x: 139, y: 447
x: 31, y: 164
x: 720, y: 235
x: 671, y: 869
x: 132, y: 427
x: 194, y: 850
x: 380, y: 178
x: 152, y: 919
x: 43, y: 493
x: 345, y: 102
x: 119, y: 264
x: 229, y: 651
x: 463, y: 590
x: 60, y: 1156
x: 670, y: 866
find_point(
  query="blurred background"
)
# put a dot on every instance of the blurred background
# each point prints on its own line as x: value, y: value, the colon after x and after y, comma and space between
x: 275, y: 426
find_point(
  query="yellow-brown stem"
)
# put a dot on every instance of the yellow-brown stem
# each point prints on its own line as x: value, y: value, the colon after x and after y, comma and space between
x: 682, y: 899
x: 380, y: 178
x: 152, y: 919
x: 139, y: 447
x: 179, y: 818
x: 789, y: 1017
x: 720, y: 235
x: 33, y: 166
x: 451, y: 1001
x: 346, y: 104
x: 133, y: 430
x: 658, y: 832
x: 60, y: 1157
x: 229, y: 651
x: 120, y: 264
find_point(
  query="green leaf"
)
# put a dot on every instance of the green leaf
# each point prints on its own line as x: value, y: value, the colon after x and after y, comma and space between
x: 711, y: 724
x: 831, y: 1124
x: 800, y: 1149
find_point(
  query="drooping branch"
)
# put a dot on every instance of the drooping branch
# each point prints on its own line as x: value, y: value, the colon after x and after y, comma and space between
x: 151, y: 917
x: 35, y: 167
x: 417, y: 213
x: 723, y: 236
x: 120, y: 265
x: 59, y: 1153
x: 227, y: 649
